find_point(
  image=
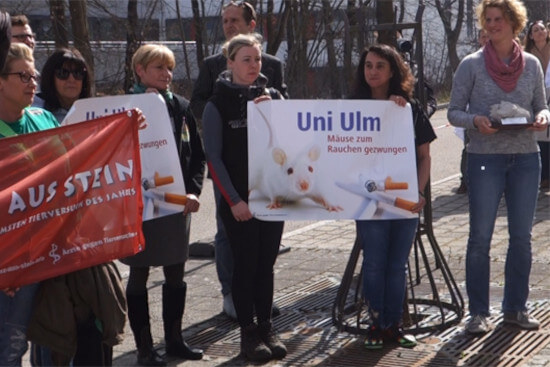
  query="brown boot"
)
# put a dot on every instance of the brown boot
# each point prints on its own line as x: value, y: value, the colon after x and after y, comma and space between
x: 270, y: 338
x: 252, y: 347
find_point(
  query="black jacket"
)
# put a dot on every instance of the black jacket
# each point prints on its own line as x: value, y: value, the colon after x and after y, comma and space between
x: 211, y: 68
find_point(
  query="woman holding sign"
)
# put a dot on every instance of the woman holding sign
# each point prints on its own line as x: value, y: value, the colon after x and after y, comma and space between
x: 383, y: 75
x: 502, y: 160
x: 254, y: 243
x: 166, y: 238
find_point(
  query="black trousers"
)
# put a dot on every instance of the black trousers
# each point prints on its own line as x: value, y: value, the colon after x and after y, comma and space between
x: 255, y: 245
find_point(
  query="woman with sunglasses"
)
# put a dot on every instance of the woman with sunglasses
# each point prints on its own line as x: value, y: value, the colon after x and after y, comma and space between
x: 65, y: 327
x: 64, y: 79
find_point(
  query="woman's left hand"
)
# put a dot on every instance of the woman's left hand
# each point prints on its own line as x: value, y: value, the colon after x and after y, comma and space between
x: 540, y: 124
x: 400, y: 101
x: 419, y: 205
x: 192, y: 205
x: 142, y: 122
x: 262, y: 98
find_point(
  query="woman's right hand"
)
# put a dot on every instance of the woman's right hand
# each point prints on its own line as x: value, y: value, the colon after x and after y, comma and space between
x: 10, y: 291
x: 483, y: 125
x: 241, y: 212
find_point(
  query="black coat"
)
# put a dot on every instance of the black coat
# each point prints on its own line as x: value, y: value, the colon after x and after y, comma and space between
x: 167, y: 238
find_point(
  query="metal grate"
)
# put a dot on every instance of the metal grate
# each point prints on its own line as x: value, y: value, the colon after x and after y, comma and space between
x: 306, y: 327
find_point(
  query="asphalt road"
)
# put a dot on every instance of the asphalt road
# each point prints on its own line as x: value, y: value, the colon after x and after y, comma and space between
x: 445, y: 153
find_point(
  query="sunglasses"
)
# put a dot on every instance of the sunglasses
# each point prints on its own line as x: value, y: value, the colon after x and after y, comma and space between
x: 63, y: 74
x: 26, y: 77
x: 23, y: 36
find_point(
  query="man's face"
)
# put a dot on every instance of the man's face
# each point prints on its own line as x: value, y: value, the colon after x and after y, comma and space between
x: 22, y: 34
x: 234, y: 23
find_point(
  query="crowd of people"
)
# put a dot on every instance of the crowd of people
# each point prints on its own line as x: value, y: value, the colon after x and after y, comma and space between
x: 499, y: 161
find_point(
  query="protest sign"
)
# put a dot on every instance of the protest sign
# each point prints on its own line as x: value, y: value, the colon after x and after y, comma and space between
x: 70, y: 198
x: 331, y: 159
x: 163, y: 186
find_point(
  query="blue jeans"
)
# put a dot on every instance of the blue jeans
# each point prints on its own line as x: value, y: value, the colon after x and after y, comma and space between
x: 489, y: 177
x: 386, y: 247
x: 15, y: 314
x: 224, y: 256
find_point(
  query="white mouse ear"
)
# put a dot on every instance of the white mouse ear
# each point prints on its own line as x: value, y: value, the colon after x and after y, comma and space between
x: 279, y: 156
x: 314, y: 153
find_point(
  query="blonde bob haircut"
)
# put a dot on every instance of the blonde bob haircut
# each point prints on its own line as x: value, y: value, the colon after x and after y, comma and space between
x: 513, y: 10
x: 152, y: 52
x: 17, y: 51
x: 231, y: 47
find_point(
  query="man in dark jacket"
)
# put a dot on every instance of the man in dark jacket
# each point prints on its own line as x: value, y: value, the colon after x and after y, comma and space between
x: 238, y: 18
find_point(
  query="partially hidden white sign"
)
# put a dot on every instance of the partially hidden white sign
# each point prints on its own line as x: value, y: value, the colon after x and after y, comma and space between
x: 331, y: 159
x: 163, y: 186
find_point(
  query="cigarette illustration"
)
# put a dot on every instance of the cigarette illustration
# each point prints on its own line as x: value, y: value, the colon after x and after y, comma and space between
x: 156, y: 180
x: 373, y: 191
x: 155, y: 198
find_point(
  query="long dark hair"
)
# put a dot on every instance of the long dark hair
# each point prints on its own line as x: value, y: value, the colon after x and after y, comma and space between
x: 56, y: 61
x: 401, y: 82
x: 529, y: 43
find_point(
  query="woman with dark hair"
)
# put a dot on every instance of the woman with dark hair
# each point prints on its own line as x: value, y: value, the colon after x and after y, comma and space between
x: 64, y: 79
x: 383, y: 75
x: 537, y: 42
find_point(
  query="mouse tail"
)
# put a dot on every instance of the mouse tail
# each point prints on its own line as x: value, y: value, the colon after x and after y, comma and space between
x: 264, y: 117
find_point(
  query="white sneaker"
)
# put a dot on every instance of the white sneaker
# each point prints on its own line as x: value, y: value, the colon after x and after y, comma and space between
x: 229, y: 307
x: 478, y: 324
x: 521, y: 319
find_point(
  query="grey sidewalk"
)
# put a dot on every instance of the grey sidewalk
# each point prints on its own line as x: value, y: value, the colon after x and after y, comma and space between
x: 308, y: 276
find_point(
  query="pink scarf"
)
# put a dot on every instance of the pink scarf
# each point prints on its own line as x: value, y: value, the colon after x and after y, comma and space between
x: 506, y: 76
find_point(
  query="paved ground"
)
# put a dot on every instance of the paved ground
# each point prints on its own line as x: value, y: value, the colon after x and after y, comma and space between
x: 307, y: 280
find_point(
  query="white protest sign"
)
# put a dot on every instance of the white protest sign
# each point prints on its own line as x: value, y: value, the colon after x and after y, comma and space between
x: 331, y: 159
x: 162, y: 180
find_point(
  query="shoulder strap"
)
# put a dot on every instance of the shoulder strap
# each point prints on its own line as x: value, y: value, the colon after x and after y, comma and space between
x: 6, y: 130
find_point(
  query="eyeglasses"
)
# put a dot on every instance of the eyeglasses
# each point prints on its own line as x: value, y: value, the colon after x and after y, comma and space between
x: 26, y: 77
x: 23, y: 36
x: 63, y: 74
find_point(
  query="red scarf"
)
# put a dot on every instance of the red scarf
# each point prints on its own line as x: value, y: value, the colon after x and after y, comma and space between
x: 506, y: 76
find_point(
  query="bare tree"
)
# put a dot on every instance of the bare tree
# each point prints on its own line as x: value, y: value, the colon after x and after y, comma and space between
x: 59, y: 23
x: 197, y: 21
x: 385, y: 14
x: 182, y: 36
x: 276, y: 26
x: 327, y: 11
x: 132, y: 42
x: 297, y: 26
x: 79, y: 23
x: 452, y: 33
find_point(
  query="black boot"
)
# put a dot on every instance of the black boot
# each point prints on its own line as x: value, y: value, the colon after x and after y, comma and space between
x: 270, y: 338
x: 252, y: 347
x: 173, y: 305
x: 138, y: 315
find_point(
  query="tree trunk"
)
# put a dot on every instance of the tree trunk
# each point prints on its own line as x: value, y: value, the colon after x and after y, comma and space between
x: 132, y: 43
x: 59, y: 23
x: 385, y: 14
x: 335, y: 89
x: 276, y: 32
x: 350, y: 35
x: 197, y: 22
x: 79, y: 23
x: 182, y: 36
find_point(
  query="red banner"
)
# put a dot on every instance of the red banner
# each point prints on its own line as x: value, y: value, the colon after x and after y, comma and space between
x: 70, y: 198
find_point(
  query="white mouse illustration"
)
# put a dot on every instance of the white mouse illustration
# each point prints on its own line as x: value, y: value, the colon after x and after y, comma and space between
x: 284, y: 179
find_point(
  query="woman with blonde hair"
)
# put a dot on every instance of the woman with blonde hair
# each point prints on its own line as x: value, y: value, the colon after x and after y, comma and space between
x: 254, y: 243
x: 501, y: 162
x: 166, y: 238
